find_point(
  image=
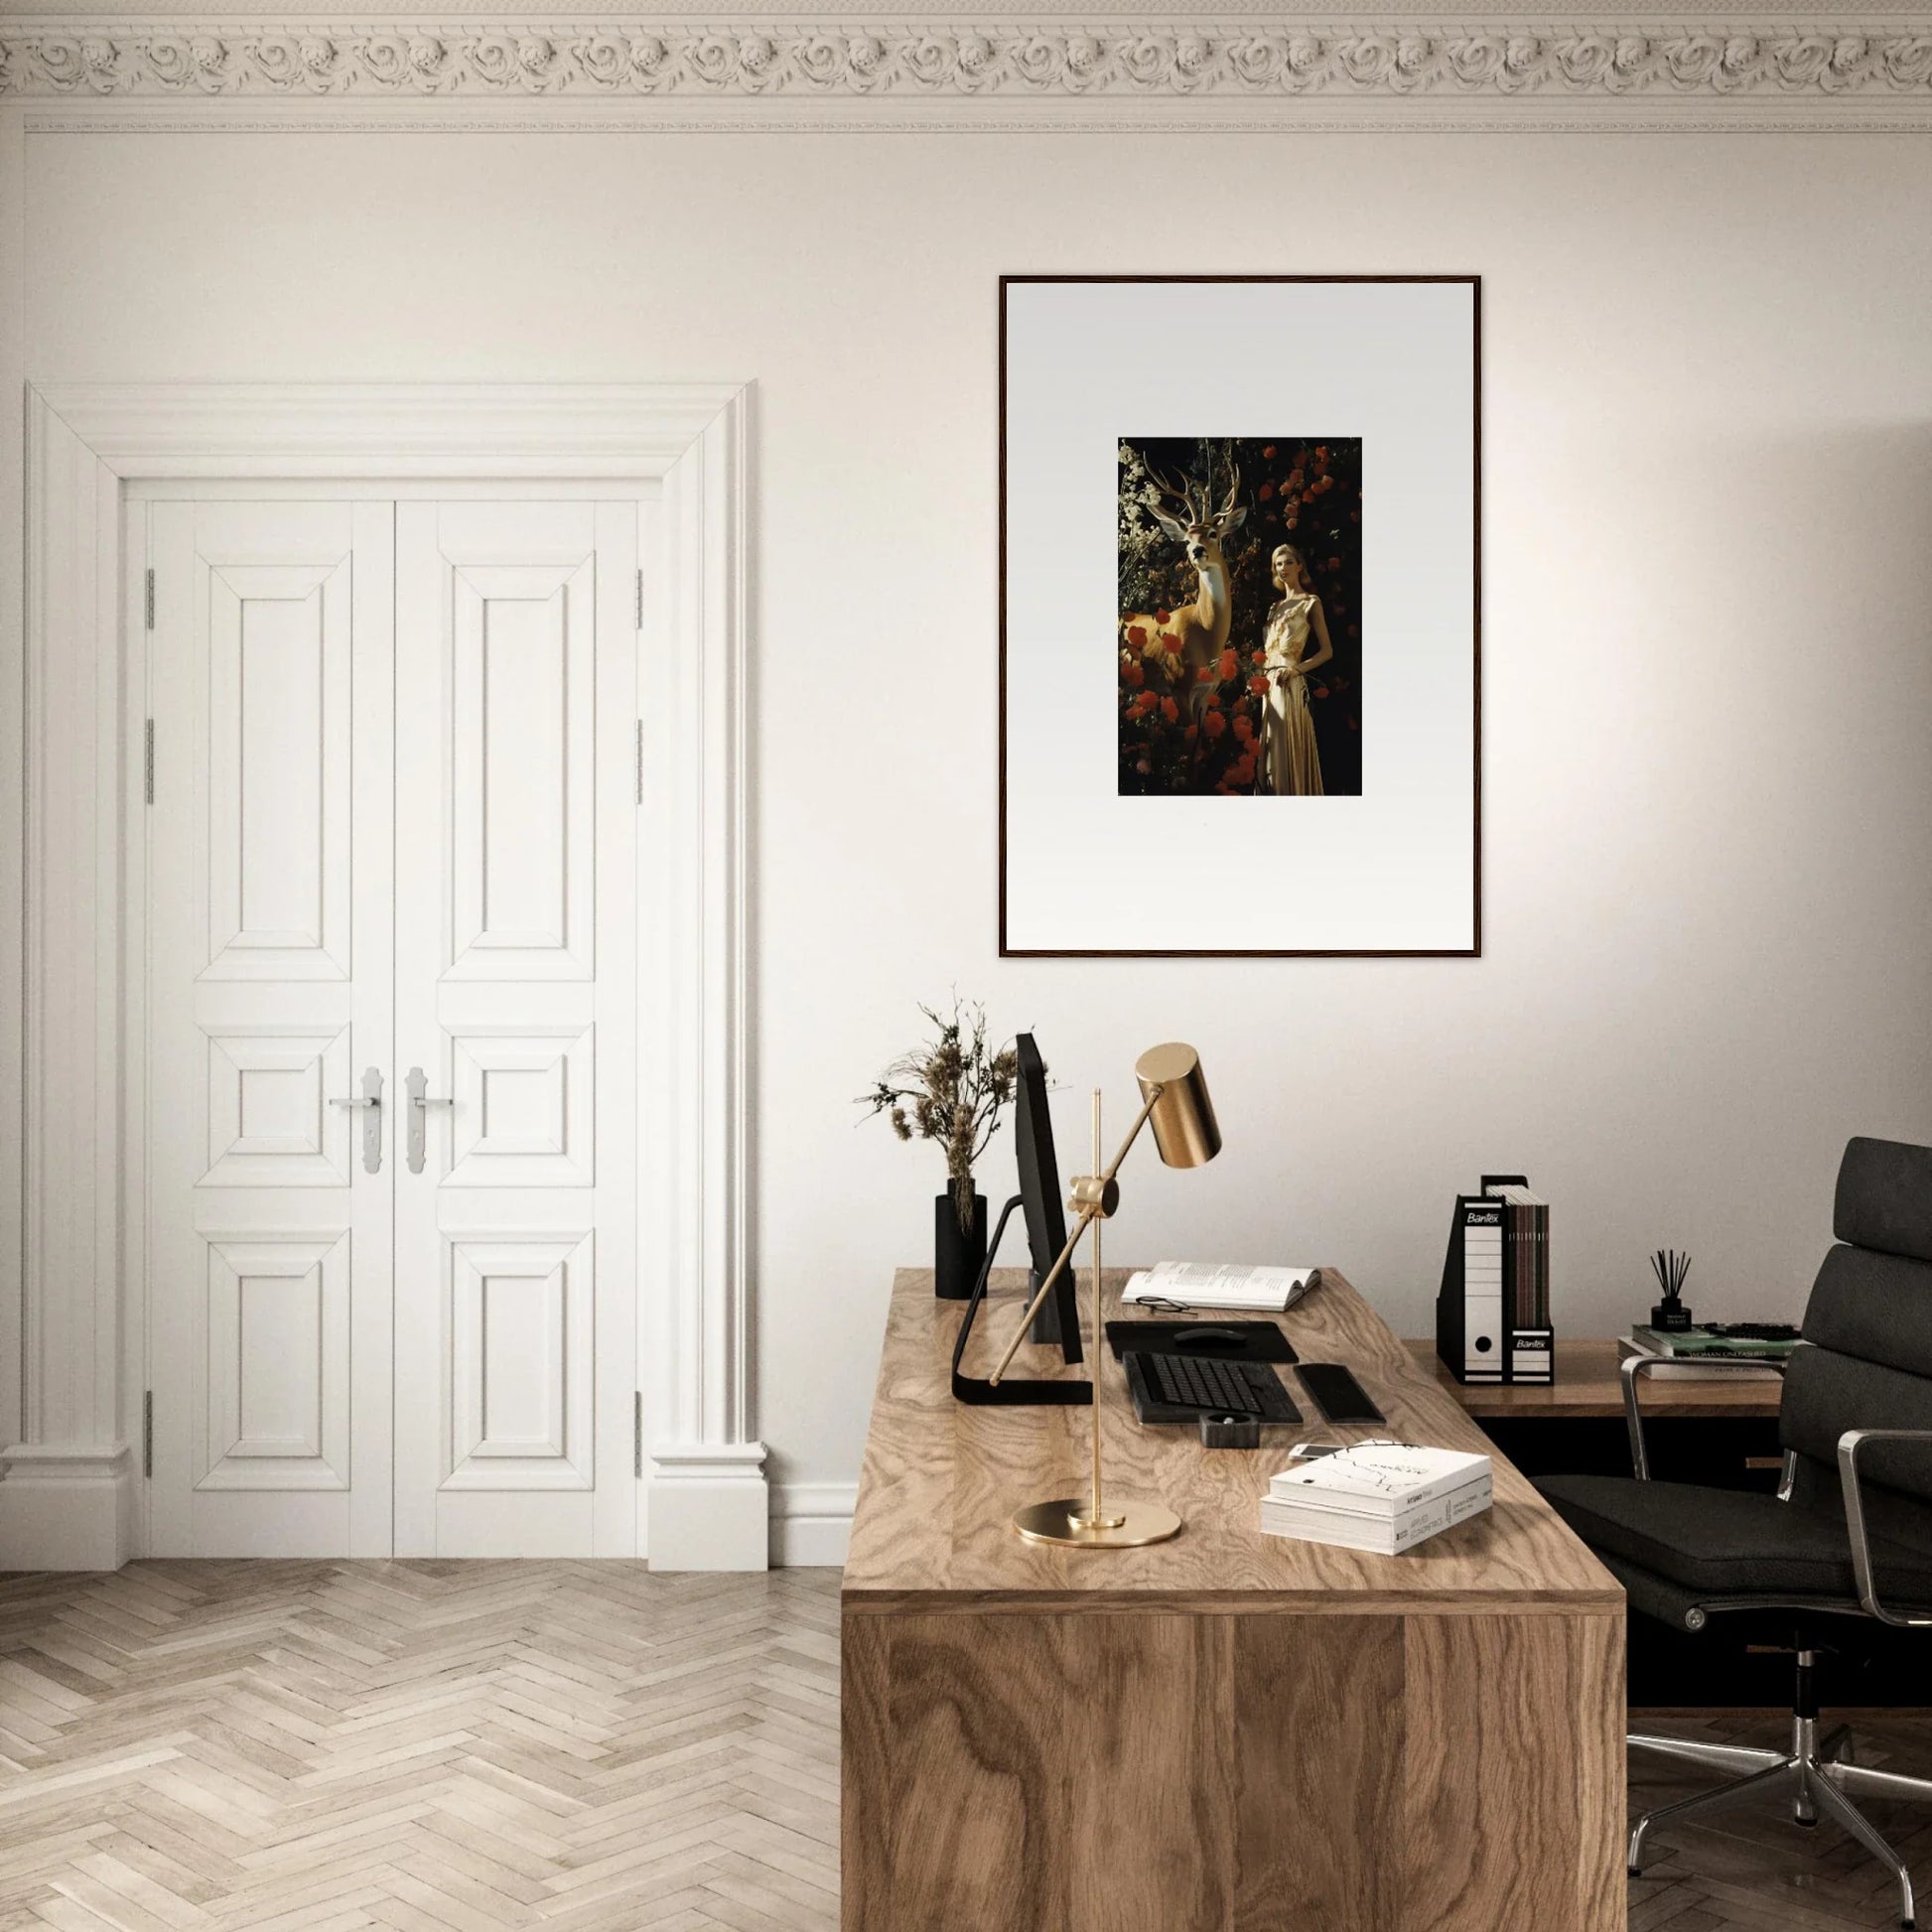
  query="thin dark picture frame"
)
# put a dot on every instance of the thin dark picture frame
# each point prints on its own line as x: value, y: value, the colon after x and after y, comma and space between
x: 1472, y: 951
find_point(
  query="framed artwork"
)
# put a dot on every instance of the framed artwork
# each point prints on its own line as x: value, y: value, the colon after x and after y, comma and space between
x: 1240, y: 542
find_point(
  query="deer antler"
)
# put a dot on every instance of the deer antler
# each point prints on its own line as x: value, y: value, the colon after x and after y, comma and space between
x: 1234, y: 491
x: 1183, y: 500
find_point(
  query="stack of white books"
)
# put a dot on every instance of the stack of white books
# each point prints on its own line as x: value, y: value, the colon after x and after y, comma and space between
x: 1381, y: 1496
x: 1219, y: 1285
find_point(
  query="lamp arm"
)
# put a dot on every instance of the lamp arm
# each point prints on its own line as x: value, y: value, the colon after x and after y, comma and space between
x: 1133, y: 1134
x: 1088, y: 1215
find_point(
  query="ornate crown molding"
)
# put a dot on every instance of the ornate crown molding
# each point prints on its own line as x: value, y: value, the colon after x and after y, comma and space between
x: 1886, y: 67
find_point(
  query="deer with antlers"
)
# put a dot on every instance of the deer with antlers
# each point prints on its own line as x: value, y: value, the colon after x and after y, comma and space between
x: 1177, y: 645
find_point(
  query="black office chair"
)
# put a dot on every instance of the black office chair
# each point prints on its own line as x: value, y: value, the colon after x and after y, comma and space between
x: 1849, y: 1536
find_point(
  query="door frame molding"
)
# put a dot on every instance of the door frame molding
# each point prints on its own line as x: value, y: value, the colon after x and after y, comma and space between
x: 69, y: 1496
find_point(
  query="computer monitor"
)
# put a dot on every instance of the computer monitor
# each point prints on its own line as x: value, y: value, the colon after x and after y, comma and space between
x: 1040, y: 1194
x: 1039, y: 1200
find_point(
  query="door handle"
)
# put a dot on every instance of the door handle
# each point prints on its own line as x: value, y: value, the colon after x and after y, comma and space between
x: 370, y: 1099
x: 420, y: 1102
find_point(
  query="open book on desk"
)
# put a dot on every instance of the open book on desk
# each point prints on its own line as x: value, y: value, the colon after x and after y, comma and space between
x: 1218, y: 1285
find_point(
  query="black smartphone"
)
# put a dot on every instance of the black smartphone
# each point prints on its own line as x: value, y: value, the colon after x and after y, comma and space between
x: 1336, y: 1393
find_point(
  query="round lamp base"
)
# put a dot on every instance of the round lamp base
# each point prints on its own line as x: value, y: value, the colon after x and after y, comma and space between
x: 1063, y: 1521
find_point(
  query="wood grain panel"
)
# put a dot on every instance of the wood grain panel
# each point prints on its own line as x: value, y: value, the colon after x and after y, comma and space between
x: 1318, y: 1723
x: 865, y: 1776
x: 978, y: 1770
x: 941, y: 1480
x: 1513, y: 1780
x: 1152, y: 1764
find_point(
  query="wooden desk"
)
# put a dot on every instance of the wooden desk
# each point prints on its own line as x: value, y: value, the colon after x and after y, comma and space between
x: 1588, y: 1386
x: 1227, y: 1732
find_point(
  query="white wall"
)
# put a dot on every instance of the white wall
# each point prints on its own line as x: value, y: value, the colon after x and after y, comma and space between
x: 1708, y: 660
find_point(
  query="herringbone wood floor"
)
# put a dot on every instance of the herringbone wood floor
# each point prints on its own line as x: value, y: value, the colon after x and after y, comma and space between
x: 457, y: 1748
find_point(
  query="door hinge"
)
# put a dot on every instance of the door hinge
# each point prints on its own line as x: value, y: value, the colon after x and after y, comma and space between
x: 638, y: 1433
x: 641, y: 598
x: 147, y: 1432
x: 147, y: 761
x: 641, y: 761
x: 150, y: 597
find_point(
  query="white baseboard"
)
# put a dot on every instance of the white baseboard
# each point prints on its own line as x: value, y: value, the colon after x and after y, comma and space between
x: 710, y: 1508
x: 812, y: 1523
x: 66, y: 1508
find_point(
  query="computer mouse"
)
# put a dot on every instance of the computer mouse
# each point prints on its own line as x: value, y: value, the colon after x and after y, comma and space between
x: 1207, y: 1338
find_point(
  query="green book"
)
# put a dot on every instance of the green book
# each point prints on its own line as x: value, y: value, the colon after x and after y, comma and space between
x: 1701, y: 1342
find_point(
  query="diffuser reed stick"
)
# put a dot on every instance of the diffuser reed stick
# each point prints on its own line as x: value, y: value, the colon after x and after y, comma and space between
x: 1670, y: 1265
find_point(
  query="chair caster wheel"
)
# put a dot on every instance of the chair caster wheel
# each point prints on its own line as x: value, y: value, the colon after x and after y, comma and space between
x: 1633, y: 1871
x: 1810, y: 1824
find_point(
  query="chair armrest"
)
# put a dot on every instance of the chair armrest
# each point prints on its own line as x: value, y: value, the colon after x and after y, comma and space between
x: 1849, y: 1445
x: 1634, y: 1367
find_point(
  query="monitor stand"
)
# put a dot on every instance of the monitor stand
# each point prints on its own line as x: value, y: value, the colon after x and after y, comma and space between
x: 1047, y: 1324
x: 1013, y: 1390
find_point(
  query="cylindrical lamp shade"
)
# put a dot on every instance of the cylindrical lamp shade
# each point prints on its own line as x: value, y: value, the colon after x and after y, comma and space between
x: 1185, y: 1128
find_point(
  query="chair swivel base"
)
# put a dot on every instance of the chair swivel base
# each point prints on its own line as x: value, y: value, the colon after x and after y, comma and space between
x: 1817, y: 1774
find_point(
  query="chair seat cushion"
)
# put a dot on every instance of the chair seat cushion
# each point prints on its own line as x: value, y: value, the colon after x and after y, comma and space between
x: 1728, y: 1542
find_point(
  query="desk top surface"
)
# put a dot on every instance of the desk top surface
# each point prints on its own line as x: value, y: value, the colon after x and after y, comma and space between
x: 941, y: 1480
x: 1587, y: 1385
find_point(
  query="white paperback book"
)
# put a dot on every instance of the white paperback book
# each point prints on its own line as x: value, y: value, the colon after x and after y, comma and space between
x: 1388, y: 1536
x: 1219, y: 1285
x: 1377, y: 1496
x: 1377, y: 1479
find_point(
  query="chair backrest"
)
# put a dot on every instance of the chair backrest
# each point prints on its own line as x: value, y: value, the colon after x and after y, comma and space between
x: 1868, y: 1324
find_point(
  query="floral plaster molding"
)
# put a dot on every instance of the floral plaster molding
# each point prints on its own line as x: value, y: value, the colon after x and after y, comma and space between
x: 1882, y: 67
x: 1180, y: 70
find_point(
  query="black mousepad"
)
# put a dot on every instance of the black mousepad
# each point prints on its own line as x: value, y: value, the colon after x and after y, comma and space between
x: 1247, y: 1342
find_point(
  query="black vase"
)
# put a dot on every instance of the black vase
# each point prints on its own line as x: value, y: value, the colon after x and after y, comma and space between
x: 958, y: 1256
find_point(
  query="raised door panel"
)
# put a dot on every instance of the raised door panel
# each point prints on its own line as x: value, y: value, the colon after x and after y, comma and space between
x: 269, y: 988
x: 522, y: 769
x: 278, y: 734
x: 271, y: 1120
x: 276, y: 1393
x: 517, y: 635
x: 520, y: 1368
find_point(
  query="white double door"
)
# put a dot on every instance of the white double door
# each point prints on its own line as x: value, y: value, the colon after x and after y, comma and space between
x: 390, y: 859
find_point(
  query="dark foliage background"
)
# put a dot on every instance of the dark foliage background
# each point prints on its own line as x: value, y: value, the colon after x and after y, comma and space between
x: 1301, y: 489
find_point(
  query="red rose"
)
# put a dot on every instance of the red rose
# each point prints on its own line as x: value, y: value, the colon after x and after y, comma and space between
x: 1215, y: 724
x: 1204, y: 676
x: 1161, y: 616
x: 1259, y: 686
x: 1137, y: 636
x: 1265, y: 493
x: 1229, y: 665
x: 1135, y: 676
x: 1169, y: 710
x: 1244, y: 728
x: 1268, y: 449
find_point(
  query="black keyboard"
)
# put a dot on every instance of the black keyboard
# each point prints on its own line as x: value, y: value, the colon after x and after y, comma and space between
x: 1209, y: 1388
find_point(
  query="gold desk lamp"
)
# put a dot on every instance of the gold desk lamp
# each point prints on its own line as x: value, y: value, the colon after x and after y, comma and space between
x: 1175, y: 1100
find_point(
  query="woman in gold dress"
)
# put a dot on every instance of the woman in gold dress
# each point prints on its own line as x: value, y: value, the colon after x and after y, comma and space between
x: 1293, y: 765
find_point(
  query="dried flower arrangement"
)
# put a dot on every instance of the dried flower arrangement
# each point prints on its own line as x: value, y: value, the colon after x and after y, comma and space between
x: 951, y: 1090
